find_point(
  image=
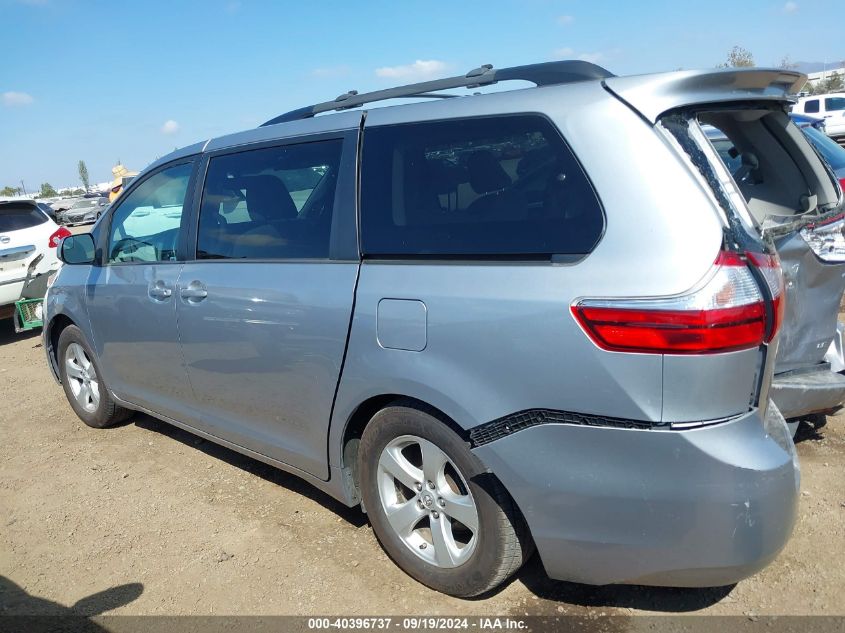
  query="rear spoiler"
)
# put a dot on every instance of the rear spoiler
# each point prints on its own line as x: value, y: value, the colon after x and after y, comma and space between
x: 654, y: 95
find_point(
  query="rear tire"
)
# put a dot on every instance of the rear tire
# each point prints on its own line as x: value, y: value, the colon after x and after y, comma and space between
x: 417, y: 476
x: 82, y: 381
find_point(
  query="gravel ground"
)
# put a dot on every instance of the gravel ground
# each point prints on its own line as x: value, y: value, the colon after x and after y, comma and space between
x: 176, y: 525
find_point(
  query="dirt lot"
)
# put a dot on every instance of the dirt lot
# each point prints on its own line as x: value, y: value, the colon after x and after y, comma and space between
x: 192, y: 528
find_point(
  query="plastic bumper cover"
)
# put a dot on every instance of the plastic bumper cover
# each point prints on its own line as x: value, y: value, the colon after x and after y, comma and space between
x: 800, y: 393
x: 700, y: 507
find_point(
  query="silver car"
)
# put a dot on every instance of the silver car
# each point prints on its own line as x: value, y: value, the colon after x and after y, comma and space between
x: 84, y: 211
x: 543, y: 318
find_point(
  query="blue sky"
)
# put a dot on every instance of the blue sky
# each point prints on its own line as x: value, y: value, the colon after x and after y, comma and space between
x: 102, y: 81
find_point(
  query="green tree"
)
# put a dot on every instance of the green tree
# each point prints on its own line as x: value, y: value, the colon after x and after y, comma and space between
x: 739, y: 57
x: 47, y: 190
x: 9, y: 191
x: 83, y: 174
x: 787, y: 64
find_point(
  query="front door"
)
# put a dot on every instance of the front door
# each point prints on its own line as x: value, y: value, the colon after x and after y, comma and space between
x: 131, y: 298
x: 264, y: 309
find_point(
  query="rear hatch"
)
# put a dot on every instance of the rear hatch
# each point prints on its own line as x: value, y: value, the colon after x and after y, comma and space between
x: 774, y: 183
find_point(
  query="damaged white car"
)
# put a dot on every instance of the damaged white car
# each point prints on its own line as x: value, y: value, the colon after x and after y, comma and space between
x: 28, y: 241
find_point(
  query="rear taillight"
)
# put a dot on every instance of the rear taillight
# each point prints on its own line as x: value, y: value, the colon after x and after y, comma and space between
x: 728, y: 312
x: 769, y: 267
x: 58, y: 236
x: 842, y: 183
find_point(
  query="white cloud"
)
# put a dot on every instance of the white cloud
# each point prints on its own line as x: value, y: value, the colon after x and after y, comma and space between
x: 170, y: 127
x: 16, y: 99
x: 419, y: 70
x: 790, y: 7
x: 565, y: 20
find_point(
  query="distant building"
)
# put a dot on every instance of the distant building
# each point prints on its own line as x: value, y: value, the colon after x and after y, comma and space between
x: 814, y: 78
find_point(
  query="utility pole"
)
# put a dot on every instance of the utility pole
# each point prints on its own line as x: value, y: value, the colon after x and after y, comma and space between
x: 24, y: 188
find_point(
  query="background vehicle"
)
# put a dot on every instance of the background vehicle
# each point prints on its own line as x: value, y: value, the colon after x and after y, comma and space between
x: 503, y: 336
x: 831, y: 151
x: 803, y: 120
x: 28, y: 241
x: 831, y: 107
x: 46, y: 208
x: 83, y: 211
x: 62, y: 205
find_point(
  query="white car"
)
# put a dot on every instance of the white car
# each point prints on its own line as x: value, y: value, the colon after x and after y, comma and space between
x: 830, y: 106
x: 28, y: 241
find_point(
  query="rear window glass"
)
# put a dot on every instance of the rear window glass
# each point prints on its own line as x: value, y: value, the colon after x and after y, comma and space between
x: 14, y: 217
x: 834, y: 103
x: 827, y: 147
x: 486, y: 187
x: 271, y: 203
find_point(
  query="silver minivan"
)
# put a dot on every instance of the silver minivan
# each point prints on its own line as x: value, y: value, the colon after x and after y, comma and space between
x: 543, y: 318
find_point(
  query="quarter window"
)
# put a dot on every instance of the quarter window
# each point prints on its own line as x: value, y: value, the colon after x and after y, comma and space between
x: 145, y: 226
x: 487, y: 187
x: 271, y: 203
x: 834, y: 103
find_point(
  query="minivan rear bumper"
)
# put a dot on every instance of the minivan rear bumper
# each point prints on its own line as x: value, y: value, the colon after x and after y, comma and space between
x: 699, y: 507
x: 803, y: 392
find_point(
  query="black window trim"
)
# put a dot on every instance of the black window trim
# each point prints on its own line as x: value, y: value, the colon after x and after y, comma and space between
x: 102, y: 251
x: 343, y: 236
x: 516, y: 258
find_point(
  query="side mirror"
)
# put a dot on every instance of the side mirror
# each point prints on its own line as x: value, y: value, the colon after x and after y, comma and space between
x: 77, y: 249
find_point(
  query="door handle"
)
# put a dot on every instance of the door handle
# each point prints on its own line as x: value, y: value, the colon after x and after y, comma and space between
x: 159, y: 291
x: 194, y: 292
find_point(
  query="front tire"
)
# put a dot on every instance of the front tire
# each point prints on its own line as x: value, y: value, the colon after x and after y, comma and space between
x: 435, y: 509
x: 82, y: 381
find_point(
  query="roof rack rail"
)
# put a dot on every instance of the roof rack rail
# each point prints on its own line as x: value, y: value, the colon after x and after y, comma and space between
x: 544, y: 74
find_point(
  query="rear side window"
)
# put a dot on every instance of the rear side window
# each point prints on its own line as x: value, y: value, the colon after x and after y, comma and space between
x: 14, y: 217
x: 834, y: 103
x: 487, y: 187
x: 811, y: 106
x: 272, y: 203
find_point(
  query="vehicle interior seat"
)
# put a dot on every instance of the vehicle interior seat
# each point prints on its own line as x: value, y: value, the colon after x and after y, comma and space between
x: 270, y: 209
x: 497, y: 199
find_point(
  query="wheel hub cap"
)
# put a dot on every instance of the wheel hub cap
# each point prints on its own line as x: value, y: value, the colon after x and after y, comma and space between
x: 427, y: 501
x: 82, y: 378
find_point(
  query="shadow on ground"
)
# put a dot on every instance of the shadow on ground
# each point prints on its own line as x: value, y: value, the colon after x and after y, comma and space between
x: 257, y: 468
x: 8, y: 334
x: 659, y: 599
x: 22, y: 611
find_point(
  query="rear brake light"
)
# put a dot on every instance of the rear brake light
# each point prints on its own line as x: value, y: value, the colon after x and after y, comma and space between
x: 769, y: 266
x: 58, y: 236
x: 726, y: 313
